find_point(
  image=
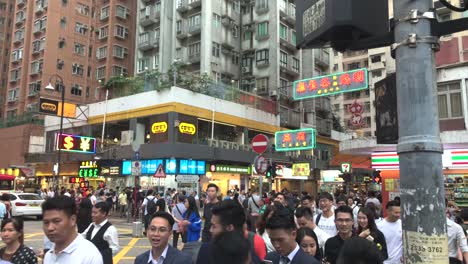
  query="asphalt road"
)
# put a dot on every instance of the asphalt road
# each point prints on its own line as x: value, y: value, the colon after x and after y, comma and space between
x: 130, y: 247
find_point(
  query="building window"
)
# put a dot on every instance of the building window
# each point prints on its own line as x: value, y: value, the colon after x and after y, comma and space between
x: 104, y: 13
x: 81, y: 28
x: 143, y: 64
x: 194, y: 21
x: 216, y: 20
x: 215, y: 49
x: 262, y: 56
x: 450, y: 101
x: 101, y: 52
x: 235, y: 31
x: 40, y: 24
x: 36, y: 66
x: 283, y: 32
x: 17, y: 55
x: 283, y: 59
x: 194, y: 48
x: 82, y: 9
x: 119, y: 51
x: 179, y: 26
x: 19, y: 35
x: 79, y: 49
x: 353, y: 66
x: 377, y: 73
x: 293, y: 38
x: 295, y: 64
x: 11, y: 114
x: 262, y: 85
x: 118, y: 71
x: 375, y: 59
x: 121, y: 31
x: 121, y: 11
x: 13, y: 94
x: 247, y: 35
x: 103, y: 32
x: 77, y: 69
x: 262, y: 29
x: 235, y: 58
x: 261, y: 4
x: 76, y: 90
x: 101, y: 72
x: 15, y: 74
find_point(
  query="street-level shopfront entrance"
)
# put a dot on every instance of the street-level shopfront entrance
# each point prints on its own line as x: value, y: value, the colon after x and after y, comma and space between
x: 227, y: 177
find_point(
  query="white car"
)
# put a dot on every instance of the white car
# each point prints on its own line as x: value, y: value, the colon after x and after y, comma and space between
x: 26, y: 204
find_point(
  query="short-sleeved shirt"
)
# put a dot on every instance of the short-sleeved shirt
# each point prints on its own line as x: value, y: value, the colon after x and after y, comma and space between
x: 80, y: 251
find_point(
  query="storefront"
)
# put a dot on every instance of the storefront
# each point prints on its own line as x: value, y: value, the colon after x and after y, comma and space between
x: 455, y: 171
x: 296, y: 179
x: 226, y: 177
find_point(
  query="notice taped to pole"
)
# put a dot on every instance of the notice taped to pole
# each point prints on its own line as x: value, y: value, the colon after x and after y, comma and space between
x: 421, y: 248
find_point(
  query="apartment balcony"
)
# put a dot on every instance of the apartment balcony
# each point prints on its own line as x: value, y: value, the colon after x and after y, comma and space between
x: 149, y: 16
x: 288, y: 14
x: 262, y: 64
x: 194, y: 57
x: 15, y: 61
x: 40, y: 10
x: 322, y: 58
x: 323, y: 104
x: 261, y: 9
x: 288, y: 70
x: 227, y: 21
x: 182, y: 6
x: 290, y: 118
x: 195, y: 3
x: 262, y: 36
x: 226, y: 46
x: 287, y: 44
x: 145, y: 42
x: 323, y: 126
x: 18, y: 40
x: 19, y: 21
x: 194, y: 29
x: 20, y: 3
x: 182, y: 33
x: 380, y: 65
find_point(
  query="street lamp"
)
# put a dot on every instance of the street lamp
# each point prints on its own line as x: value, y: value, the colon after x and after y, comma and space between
x: 59, y: 152
x: 175, y: 71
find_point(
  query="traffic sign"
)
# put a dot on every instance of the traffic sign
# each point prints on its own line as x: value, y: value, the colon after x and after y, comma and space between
x: 261, y: 164
x: 345, y: 167
x: 260, y: 143
x: 160, y: 173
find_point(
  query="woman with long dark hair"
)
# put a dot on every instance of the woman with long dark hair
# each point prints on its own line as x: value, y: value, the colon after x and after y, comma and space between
x: 368, y: 229
x: 308, y: 241
x: 14, y: 250
x: 192, y: 226
x: 161, y: 205
x: 261, y: 227
x: 84, y: 218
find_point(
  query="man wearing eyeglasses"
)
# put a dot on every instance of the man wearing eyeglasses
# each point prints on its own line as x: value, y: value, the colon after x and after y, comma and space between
x: 344, y: 224
x: 159, y: 231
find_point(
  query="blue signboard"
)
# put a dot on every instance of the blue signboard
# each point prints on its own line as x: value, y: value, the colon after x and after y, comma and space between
x: 171, y: 166
x: 201, y: 167
x: 126, y: 167
x: 150, y: 166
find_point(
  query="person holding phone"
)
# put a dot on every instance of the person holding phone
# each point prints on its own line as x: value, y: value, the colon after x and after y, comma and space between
x: 368, y: 229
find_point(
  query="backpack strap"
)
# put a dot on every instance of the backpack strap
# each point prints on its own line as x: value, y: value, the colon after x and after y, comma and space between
x: 317, y: 220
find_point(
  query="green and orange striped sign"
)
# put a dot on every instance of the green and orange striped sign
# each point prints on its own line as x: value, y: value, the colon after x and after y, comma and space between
x: 456, y: 158
x: 459, y: 157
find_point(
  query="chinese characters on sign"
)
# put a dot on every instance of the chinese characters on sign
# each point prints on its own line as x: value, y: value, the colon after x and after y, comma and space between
x: 74, y: 143
x: 295, y: 139
x: 330, y: 84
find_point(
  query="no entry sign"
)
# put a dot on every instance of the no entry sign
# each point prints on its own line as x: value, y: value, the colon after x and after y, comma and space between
x: 260, y: 143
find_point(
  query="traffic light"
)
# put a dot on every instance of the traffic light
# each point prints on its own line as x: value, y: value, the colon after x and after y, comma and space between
x: 271, y: 171
x: 340, y: 23
x: 268, y: 172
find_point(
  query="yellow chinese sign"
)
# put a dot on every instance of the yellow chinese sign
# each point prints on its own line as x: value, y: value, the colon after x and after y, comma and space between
x: 159, y: 127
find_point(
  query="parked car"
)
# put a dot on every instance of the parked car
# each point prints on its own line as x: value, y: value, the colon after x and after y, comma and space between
x: 26, y: 204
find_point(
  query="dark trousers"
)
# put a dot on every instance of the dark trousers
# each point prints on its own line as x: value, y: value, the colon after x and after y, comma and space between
x: 175, y: 238
x: 455, y: 261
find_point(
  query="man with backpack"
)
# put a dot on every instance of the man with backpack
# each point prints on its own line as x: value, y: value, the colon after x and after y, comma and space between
x: 149, y: 207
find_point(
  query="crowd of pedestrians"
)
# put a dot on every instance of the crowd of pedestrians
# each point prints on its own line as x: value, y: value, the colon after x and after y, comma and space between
x: 240, y: 228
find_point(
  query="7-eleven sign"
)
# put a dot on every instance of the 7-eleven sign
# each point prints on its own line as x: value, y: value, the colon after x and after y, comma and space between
x: 346, y: 167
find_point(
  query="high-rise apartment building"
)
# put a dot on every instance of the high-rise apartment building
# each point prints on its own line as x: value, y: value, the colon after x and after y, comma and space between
x: 250, y: 45
x: 82, y: 42
x: 6, y: 15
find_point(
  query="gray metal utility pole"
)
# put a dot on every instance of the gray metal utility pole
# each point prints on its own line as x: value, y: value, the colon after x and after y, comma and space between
x: 419, y: 147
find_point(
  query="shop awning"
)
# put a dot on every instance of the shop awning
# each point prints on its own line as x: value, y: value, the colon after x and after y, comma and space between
x: 7, y: 177
x: 357, y: 161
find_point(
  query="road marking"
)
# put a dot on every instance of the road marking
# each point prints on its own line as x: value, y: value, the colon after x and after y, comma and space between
x: 33, y: 235
x: 125, y: 250
x: 128, y: 258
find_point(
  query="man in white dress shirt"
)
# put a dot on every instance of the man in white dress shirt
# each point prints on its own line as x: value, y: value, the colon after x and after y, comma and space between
x: 102, y: 233
x: 59, y: 224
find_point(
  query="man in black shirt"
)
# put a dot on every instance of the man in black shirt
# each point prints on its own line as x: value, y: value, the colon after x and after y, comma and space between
x: 212, y: 196
x: 344, y: 224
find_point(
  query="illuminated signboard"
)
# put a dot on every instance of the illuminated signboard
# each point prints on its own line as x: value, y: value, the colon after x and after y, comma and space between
x: 159, y: 127
x: 301, y: 169
x: 230, y: 168
x: 192, y: 167
x: 295, y: 139
x: 53, y: 107
x: 76, y: 180
x: 88, y: 169
x: 150, y: 166
x: 10, y: 171
x: 74, y: 143
x: 331, y: 84
x: 186, y: 128
x: 171, y: 166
